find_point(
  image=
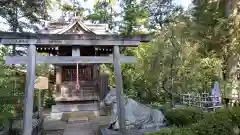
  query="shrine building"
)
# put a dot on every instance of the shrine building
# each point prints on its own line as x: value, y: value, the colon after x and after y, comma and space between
x: 87, y: 84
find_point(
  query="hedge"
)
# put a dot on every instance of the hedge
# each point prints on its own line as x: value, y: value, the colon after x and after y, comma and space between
x: 218, y: 123
x: 173, y: 131
x: 183, y: 116
x: 221, y: 122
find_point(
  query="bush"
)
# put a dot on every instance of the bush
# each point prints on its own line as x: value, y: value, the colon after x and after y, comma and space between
x: 218, y: 123
x: 221, y: 122
x: 235, y: 115
x: 162, y: 107
x: 183, y: 116
x: 173, y: 131
x: 48, y: 99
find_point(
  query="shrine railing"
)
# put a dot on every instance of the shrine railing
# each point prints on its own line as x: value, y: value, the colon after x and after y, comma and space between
x: 83, y: 74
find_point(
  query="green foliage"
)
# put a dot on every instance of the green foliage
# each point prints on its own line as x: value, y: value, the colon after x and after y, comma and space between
x: 103, y: 12
x: 218, y: 123
x: 173, y: 131
x: 160, y: 12
x: 134, y: 16
x: 235, y: 115
x: 183, y: 116
x: 72, y: 9
x: 13, y: 12
x: 12, y: 82
x: 48, y: 99
x: 222, y: 122
x: 160, y: 106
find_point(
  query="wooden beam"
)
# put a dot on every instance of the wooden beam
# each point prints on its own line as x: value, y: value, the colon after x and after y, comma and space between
x: 70, y: 39
x: 49, y: 42
x: 119, y: 91
x: 29, y: 91
x: 116, y: 37
x: 68, y: 59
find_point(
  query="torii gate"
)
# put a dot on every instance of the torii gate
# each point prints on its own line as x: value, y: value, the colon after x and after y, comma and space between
x: 33, y: 40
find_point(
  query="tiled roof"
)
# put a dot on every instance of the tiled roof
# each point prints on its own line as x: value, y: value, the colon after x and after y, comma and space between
x: 63, y: 27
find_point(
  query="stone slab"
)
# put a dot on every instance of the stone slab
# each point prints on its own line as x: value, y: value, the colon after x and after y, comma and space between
x: 59, y: 116
x: 53, y: 132
x: 74, y: 107
x: 78, y: 120
x: 53, y: 125
x: 79, y: 129
x: 56, y: 116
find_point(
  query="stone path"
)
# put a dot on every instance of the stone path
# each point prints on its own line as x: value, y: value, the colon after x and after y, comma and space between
x: 57, y: 127
x: 86, y: 128
x: 53, y: 132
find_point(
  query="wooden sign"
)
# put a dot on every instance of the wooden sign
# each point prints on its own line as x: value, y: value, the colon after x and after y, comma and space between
x: 41, y: 83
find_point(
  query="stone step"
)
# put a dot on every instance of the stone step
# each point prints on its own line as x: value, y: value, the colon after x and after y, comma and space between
x: 79, y: 132
x: 65, y: 115
x: 53, y: 124
x: 74, y: 98
x: 79, y: 129
x: 77, y: 120
x: 74, y: 107
x: 88, y: 128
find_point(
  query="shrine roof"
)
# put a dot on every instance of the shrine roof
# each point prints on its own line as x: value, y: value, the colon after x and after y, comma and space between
x: 73, y: 33
x: 76, y: 27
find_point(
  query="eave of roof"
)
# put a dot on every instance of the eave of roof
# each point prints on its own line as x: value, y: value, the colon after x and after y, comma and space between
x: 98, y: 29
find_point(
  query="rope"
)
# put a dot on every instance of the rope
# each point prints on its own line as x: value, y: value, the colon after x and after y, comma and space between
x: 77, y: 81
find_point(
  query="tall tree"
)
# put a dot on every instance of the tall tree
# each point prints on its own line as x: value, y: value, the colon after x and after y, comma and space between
x: 160, y: 12
x: 22, y: 14
x: 216, y: 29
x: 73, y: 9
x: 103, y: 12
x: 134, y: 17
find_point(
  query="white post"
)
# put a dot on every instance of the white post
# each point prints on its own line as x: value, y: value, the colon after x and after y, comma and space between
x: 119, y: 91
x: 29, y: 91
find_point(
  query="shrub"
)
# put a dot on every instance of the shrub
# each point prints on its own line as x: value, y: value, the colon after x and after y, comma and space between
x: 184, y: 116
x: 162, y: 107
x: 221, y: 122
x: 235, y: 115
x: 217, y: 123
x: 48, y: 99
x: 173, y: 131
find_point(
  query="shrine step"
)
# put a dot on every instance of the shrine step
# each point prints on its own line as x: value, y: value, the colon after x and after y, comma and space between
x: 61, y: 115
x: 59, y: 109
x: 75, y: 107
x: 77, y: 120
